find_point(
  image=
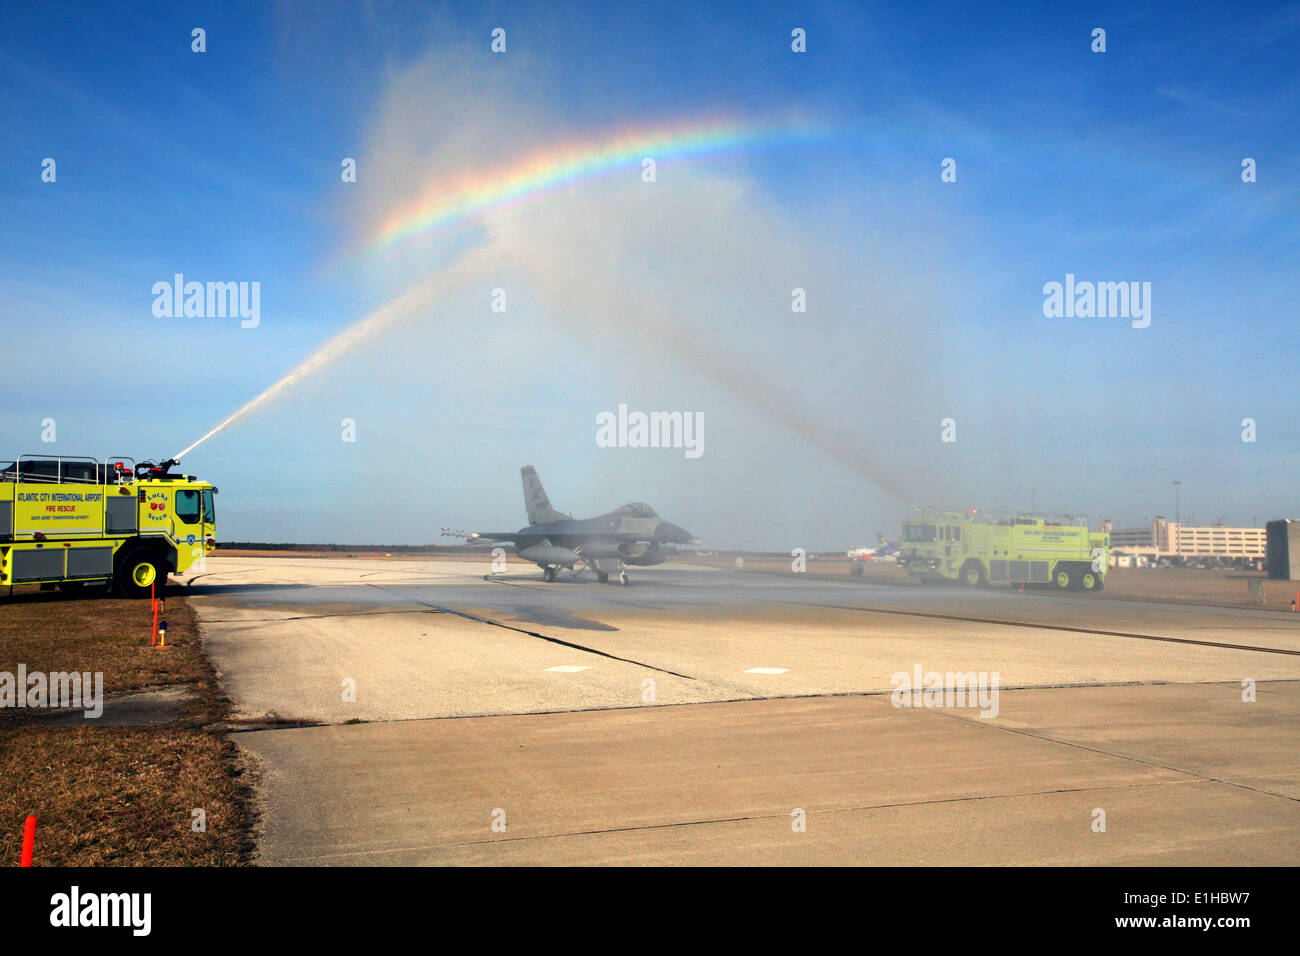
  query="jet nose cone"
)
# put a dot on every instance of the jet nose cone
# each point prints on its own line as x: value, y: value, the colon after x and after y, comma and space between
x: 669, y: 533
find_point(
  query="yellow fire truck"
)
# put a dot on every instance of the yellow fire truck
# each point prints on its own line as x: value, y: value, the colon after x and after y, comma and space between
x: 70, y: 521
x: 978, y: 549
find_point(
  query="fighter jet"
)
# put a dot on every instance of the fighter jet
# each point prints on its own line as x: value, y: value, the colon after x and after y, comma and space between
x: 632, y: 535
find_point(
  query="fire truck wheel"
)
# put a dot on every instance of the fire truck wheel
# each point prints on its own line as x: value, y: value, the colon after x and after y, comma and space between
x: 1064, y: 579
x: 972, y: 574
x: 140, y: 573
x: 1089, y: 580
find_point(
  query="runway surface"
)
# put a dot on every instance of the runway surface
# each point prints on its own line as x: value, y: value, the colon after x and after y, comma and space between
x: 705, y: 716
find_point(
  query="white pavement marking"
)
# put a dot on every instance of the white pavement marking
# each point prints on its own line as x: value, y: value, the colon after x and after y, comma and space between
x: 568, y: 669
x: 768, y: 670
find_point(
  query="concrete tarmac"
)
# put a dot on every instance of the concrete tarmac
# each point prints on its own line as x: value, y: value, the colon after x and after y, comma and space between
x: 704, y: 716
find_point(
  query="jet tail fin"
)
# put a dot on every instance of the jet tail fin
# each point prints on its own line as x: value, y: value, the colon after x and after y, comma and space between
x: 536, y: 503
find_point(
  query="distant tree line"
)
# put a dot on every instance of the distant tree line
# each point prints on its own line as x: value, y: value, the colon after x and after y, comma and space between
x: 355, y: 548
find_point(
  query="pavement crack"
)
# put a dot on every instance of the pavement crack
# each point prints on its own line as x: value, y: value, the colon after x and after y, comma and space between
x: 979, y: 721
x: 1047, y: 627
x: 711, y: 821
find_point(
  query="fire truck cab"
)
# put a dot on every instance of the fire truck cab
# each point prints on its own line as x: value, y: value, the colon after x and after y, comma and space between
x: 71, y: 521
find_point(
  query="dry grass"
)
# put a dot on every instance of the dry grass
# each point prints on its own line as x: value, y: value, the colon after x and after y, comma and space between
x: 121, y: 797
x: 117, y: 796
x: 49, y: 631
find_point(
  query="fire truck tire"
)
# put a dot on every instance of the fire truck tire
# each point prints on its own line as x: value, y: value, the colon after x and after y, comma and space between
x: 140, y: 572
x: 1089, y: 580
x: 972, y: 574
x: 1064, y: 577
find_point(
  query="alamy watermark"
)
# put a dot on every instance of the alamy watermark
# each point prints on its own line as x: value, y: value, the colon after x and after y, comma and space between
x: 127, y: 910
x: 59, y: 689
x: 624, y: 429
x: 1098, y: 300
x: 210, y: 300
x: 920, y: 688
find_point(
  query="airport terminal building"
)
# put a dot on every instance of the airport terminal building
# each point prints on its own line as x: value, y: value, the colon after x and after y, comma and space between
x: 1213, y: 544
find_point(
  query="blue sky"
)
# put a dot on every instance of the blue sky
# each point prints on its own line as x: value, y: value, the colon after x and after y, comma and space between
x: 225, y: 166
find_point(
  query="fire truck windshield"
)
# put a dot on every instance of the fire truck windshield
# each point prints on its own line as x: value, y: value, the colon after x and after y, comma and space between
x: 919, y: 532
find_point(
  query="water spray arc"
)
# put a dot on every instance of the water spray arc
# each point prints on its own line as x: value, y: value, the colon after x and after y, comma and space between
x: 461, y: 272
x: 467, y: 199
x: 641, y: 311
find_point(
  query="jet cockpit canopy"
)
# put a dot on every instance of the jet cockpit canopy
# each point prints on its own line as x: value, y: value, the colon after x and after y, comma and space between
x: 637, y: 510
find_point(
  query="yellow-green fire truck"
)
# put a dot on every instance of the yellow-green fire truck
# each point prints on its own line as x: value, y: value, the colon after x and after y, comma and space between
x: 978, y: 549
x: 71, y: 521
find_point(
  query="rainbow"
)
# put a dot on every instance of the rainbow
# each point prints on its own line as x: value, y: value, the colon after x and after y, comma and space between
x: 446, y: 202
